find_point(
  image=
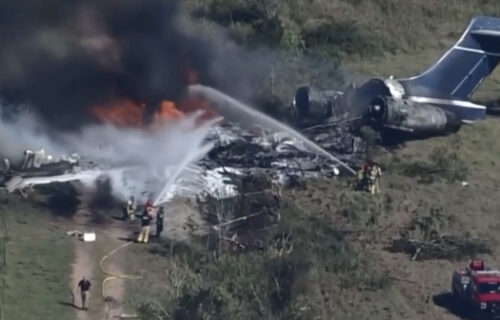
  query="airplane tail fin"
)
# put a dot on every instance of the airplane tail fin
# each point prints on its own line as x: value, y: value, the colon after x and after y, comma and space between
x: 463, y: 68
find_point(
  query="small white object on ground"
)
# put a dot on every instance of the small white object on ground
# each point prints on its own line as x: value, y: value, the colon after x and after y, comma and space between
x: 88, y: 237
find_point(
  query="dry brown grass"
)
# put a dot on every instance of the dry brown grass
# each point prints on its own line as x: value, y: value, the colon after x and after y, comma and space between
x: 417, y: 32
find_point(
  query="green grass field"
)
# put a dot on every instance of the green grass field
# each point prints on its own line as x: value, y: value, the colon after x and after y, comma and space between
x: 38, y: 263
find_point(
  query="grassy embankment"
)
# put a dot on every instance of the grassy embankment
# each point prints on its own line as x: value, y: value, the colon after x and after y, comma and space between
x: 36, y: 258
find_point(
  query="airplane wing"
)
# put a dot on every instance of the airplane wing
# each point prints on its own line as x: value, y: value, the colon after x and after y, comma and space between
x: 18, y: 182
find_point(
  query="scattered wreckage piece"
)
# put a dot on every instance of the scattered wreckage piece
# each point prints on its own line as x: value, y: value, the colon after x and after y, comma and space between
x: 20, y: 183
x: 235, y: 223
x: 440, y: 247
x: 238, y: 153
x: 239, y: 113
x: 426, y: 236
x: 83, y: 236
x: 38, y: 167
x: 281, y: 153
x: 39, y: 163
x: 196, y: 180
x: 234, y: 152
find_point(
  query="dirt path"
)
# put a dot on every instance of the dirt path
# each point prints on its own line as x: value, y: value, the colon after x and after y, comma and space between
x: 112, y: 233
x: 87, y: 257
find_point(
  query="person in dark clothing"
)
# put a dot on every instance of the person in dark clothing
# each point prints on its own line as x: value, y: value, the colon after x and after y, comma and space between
x: 145, y: 222
x: 84, y: 288
x: 159, y: 222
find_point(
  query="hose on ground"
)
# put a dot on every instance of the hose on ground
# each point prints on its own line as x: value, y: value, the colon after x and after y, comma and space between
x: 111, y: 276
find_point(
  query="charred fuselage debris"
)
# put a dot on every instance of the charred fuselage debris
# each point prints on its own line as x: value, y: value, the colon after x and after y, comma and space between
x: 405, y: 115
x: 434, y: 102
x: 282, y: 156
x: 241, y: 222
x: 427, y: 236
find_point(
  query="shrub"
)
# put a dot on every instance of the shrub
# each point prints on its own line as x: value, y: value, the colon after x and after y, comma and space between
x: 338, y: 37
x: 444, y: 161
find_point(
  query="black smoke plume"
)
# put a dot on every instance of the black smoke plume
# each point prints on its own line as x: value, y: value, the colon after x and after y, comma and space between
x: 63, y: 56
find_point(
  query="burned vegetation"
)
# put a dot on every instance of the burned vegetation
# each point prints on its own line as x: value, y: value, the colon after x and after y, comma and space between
x: 429, y: 236
x: 256, y: 256
x: 242, y: 222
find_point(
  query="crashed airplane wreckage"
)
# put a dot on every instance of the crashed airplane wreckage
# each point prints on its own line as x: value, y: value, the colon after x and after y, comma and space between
x: 433, y: 103
x: 39, y: 167
x: 436, y: 102
x: 231, y: 150
x: 235, y: 153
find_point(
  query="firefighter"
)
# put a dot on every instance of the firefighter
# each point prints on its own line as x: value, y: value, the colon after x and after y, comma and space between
x: 159, y: 222
x: 276, y: 192
x: 362, y: 183
x: 374, y: 175
x: 145, y: 222
x: 130, y: 209
x: 84, y: 288
x: 370, y: 178
x: 378, y: 175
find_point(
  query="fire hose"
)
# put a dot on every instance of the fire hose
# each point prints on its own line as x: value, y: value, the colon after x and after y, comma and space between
x: 111, y: 276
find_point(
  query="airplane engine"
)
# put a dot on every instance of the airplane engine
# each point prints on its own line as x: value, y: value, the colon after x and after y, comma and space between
x: 312, y: 105
x: 418, y: 119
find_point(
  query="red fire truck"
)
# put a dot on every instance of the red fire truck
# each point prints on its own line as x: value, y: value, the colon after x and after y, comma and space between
x: 478, y: 288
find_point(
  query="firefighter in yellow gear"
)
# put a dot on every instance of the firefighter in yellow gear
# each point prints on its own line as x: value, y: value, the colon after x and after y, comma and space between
x: 145, y: 223
x: 374, y: 178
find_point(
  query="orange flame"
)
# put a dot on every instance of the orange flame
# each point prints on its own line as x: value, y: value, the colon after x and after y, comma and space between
x: 193, y: 104
x: 120, y: 112
x: 125, y: 112
x: 167, y: 111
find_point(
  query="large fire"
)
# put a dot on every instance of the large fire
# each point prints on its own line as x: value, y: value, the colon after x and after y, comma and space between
x: 128, y: 113
x: 125, y: 112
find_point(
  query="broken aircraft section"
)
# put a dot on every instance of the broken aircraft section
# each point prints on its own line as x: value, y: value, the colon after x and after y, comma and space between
x: 436, y: 102
x: 236, y: 152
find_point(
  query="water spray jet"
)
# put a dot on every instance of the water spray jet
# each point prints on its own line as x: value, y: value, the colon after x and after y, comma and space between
x: 248, y: 117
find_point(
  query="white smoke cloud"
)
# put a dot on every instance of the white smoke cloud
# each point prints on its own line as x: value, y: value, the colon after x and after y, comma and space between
x: 146, y: 159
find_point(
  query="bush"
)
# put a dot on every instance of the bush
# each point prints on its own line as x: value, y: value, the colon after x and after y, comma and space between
x: 428, y: 236
x: 272, y: 284
x: 248, y: 20
x: 444, y: 162
x: 336, y: 38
